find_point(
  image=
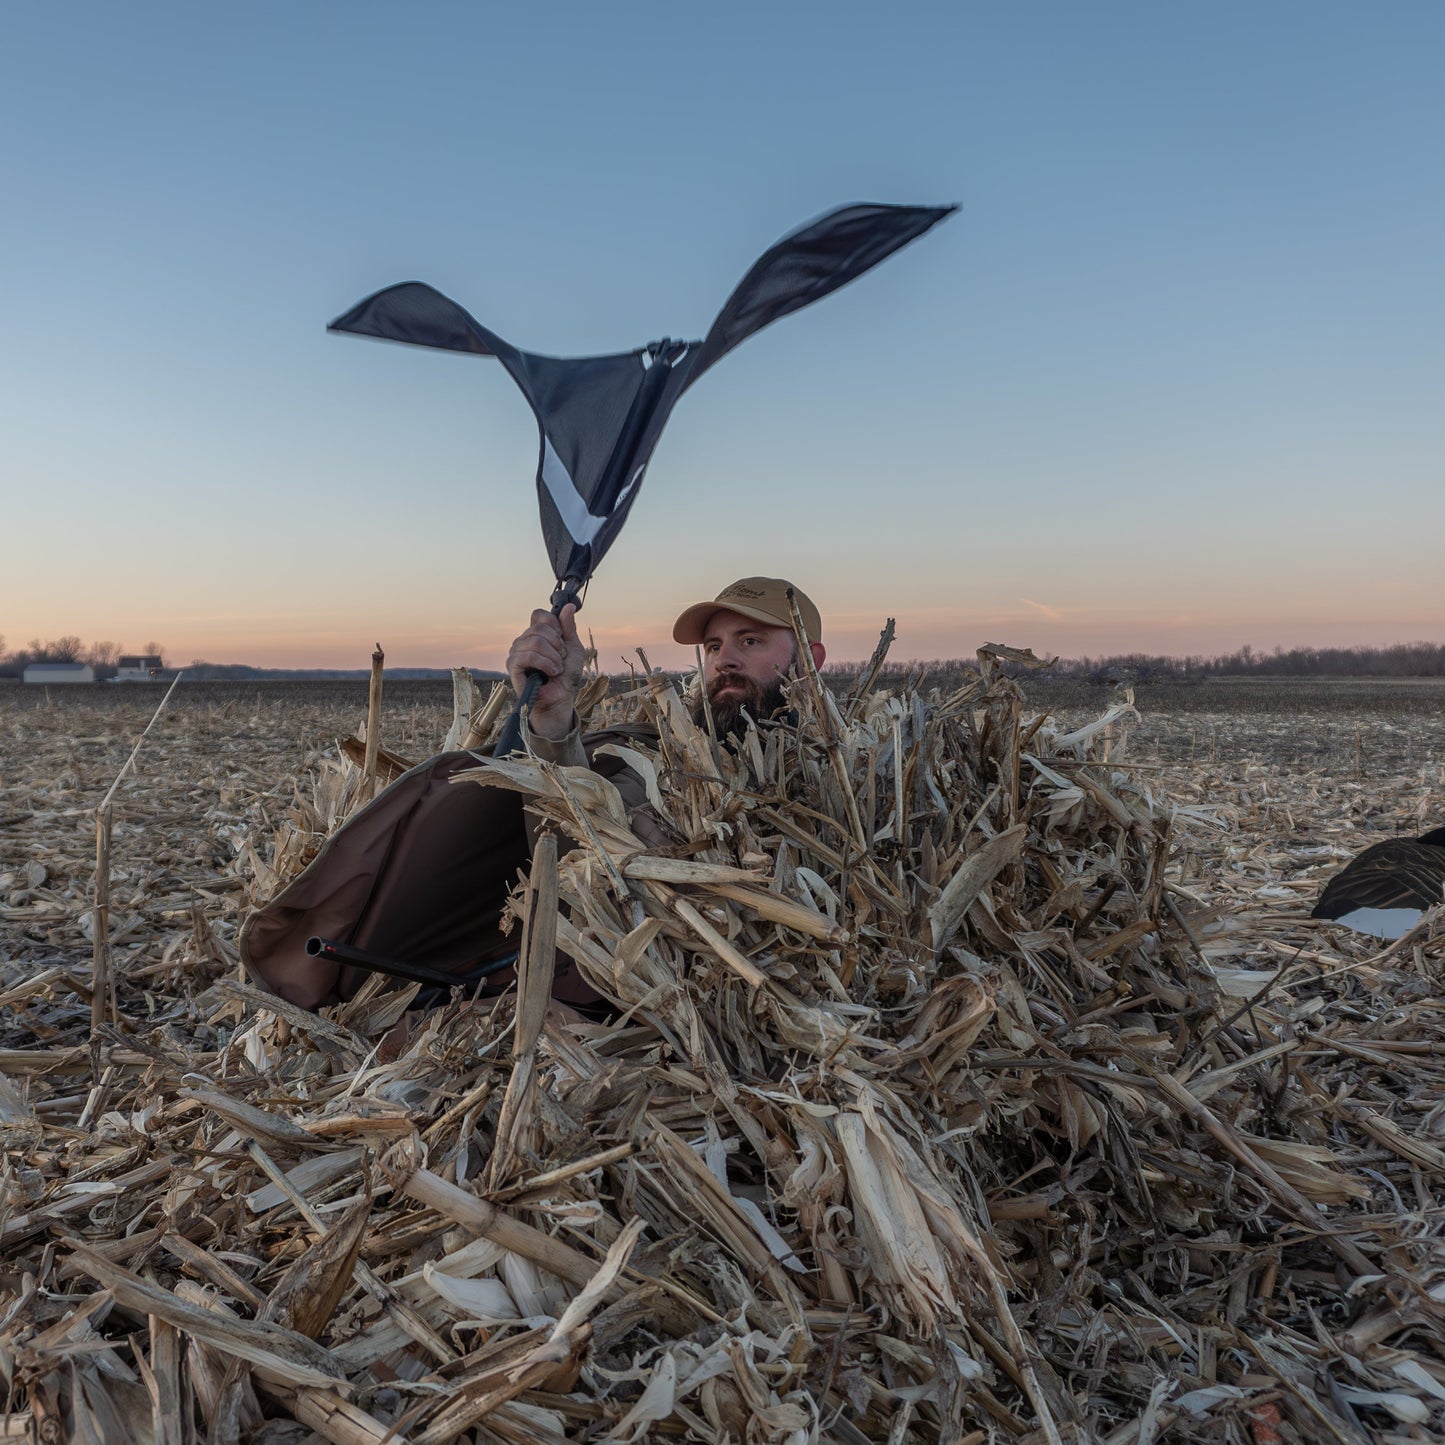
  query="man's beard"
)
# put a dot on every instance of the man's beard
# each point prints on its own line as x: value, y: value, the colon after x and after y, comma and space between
x: 732, y: 715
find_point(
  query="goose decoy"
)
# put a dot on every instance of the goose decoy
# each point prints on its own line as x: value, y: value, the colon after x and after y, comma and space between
x: 1386, y: 889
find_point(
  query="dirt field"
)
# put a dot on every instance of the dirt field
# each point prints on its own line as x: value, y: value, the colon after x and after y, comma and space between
x: 1286, y: 779
x: 1247, y: 1258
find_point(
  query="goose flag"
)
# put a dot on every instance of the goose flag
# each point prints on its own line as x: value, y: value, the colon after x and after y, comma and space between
x: 600, y: 416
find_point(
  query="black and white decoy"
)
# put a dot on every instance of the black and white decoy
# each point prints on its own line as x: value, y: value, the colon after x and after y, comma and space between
x: 1386, y: 889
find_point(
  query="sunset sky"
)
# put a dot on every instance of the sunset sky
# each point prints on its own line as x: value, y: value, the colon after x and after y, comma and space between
x: 1172, y: 379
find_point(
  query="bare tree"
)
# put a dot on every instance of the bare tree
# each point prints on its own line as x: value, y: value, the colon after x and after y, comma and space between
x: 154, y: 649
x: 104, y: 654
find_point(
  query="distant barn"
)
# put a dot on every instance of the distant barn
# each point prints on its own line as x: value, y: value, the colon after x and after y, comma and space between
x: 142, y: 668
x: 48, y: 672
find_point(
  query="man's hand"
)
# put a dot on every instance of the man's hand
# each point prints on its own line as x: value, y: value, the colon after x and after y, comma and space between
x: 550, y: 646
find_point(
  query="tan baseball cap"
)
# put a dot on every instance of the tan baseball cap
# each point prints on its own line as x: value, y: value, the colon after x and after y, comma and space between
x: 763, y: 599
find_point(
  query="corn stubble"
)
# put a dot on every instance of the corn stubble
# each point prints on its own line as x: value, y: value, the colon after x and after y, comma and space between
x: 938, y: 1108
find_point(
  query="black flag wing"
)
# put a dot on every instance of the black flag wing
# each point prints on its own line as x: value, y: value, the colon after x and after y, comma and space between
x: 807, y: 265
x: 599, y: 417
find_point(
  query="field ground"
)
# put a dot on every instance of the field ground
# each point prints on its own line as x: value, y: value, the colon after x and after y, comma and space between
x: 1284, y: 780
x: 1275, y: 1256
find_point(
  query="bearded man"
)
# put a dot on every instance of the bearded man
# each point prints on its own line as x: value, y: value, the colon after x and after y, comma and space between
x: 748, y: 651
x: 423, y: 874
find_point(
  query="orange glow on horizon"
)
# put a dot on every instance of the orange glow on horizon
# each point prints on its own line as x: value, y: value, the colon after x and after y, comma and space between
x: 923, y: 636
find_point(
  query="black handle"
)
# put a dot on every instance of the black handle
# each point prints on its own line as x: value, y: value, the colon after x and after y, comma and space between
x: 510, y: 741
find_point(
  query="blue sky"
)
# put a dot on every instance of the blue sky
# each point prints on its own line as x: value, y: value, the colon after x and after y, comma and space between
x: 1171, y: 378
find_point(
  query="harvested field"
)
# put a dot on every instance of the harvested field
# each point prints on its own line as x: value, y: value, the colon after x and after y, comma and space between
x: 980, y: 1077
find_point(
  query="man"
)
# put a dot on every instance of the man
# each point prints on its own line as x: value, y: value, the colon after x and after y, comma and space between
x: 748, y: 651
x: 748, y: 648
x: 422, y: 875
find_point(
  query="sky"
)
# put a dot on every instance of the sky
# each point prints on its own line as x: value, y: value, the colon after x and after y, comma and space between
x: 1169, y: 381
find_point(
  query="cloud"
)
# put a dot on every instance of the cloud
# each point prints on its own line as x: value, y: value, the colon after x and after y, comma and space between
x: 1054, y: 614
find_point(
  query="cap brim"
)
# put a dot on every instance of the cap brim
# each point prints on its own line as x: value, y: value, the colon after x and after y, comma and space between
x: 691, y: 626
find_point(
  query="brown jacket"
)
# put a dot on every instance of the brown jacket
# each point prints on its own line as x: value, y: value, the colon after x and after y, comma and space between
x: 421, y: 874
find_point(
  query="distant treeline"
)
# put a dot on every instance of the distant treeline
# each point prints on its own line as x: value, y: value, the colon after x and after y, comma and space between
x: 202, y: 671
x: 102, y: 656
x: 1402, y: 659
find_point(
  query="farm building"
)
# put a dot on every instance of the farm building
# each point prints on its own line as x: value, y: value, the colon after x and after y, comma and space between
x: 48, y: 672
x: 142, y: 668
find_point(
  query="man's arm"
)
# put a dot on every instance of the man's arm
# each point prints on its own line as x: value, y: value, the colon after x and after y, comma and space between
x: 550, y: 645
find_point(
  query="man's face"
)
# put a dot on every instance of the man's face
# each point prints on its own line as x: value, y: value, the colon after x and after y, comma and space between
x: 736, y: 651
x: 743, y: 667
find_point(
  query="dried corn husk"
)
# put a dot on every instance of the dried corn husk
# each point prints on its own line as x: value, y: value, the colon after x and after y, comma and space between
x: 977, y: 1072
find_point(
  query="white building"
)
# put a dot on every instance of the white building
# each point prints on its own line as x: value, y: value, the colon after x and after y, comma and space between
x: 137, y: 669
x: 48, y: 672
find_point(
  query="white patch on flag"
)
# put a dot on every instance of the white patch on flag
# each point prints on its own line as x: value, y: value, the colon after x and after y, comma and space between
x: 580, y: 523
